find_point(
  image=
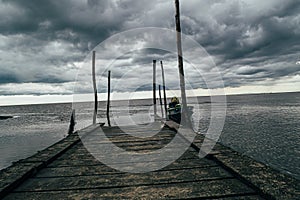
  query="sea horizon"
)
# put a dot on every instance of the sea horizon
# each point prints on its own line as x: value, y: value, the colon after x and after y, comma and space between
x: 147, y: 98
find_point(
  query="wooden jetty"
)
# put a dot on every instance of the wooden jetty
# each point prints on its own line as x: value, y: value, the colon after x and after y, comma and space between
x: 66, y: 170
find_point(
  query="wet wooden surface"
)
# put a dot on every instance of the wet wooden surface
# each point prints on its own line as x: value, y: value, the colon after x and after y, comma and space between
x: 76, y: 174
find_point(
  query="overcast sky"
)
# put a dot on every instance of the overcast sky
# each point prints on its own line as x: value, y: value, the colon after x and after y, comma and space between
x: 255, y: 44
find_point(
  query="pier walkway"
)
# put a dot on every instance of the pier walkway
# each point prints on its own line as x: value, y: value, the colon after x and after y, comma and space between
x: 67, y: 170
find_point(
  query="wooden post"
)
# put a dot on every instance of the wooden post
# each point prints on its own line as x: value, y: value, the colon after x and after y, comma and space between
x: 164, y: 89
x: 72, y: 122
x: 154, y: 88
x: 160, y: 101
x: 108, y: 99
x: 95, y: 88
x: 184, y: 116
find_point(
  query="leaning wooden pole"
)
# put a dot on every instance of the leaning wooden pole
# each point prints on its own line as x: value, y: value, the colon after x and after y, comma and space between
x: 108, y: 99
x: 160, y: 101
x: 164, y: 88
x: 184, y: 116
x: 95, y: 88
x: 154, y: 88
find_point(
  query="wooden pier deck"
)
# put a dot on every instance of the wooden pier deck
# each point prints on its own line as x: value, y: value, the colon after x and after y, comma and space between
x: 67, y: 170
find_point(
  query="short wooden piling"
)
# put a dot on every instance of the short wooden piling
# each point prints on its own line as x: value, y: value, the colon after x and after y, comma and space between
x: 95, y: 88
x: 154, y: 89
x: 72, y: 123
x: 108, y: 99
x: 160, y: 101
x: 164, y: 89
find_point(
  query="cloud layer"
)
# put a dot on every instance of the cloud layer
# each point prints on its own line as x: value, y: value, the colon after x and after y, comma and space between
x: 45, y: 42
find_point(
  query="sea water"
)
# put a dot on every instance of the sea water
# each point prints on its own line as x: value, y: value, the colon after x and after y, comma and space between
x: 265, y: 127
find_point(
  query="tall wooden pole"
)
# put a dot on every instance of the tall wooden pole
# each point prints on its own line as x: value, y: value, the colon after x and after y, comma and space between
x: 184, y: 115
x: 95, y: 88
x: 154, y: 88
x: 164, y: 89
x: 160, y: 101
x: 108, y: 99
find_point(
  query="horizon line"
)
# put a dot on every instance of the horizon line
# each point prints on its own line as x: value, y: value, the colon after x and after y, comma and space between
x: 114, y: 100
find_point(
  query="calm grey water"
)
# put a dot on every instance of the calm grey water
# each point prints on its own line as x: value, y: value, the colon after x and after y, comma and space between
x: 265, y: 127
x: 32, y: 128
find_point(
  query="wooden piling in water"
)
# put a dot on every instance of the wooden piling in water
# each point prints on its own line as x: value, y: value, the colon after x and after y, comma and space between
x: 95, y: 87
x: 72, y: 123
x: 164, y: 88
x: 154, y: 89
x: 160, y: 101
x: 108, y: 99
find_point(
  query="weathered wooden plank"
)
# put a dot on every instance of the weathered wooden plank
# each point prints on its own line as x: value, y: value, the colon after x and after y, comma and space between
x: 94, y: 162
x: 123, y: 140
x: 266, y: 179
x: 122, y: 180
x: 81, y: 150
x: 16, y: 174
x: 87, y: 159
x: 201, y: 189
x: 103, y: 169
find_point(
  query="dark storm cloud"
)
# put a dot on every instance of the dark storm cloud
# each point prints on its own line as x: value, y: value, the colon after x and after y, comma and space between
x: 236, y: 33
x: 266, y: 40
x: 43, y: 41
x: 8, y: 78
x: 75, y: 21
x: 30, y: 27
